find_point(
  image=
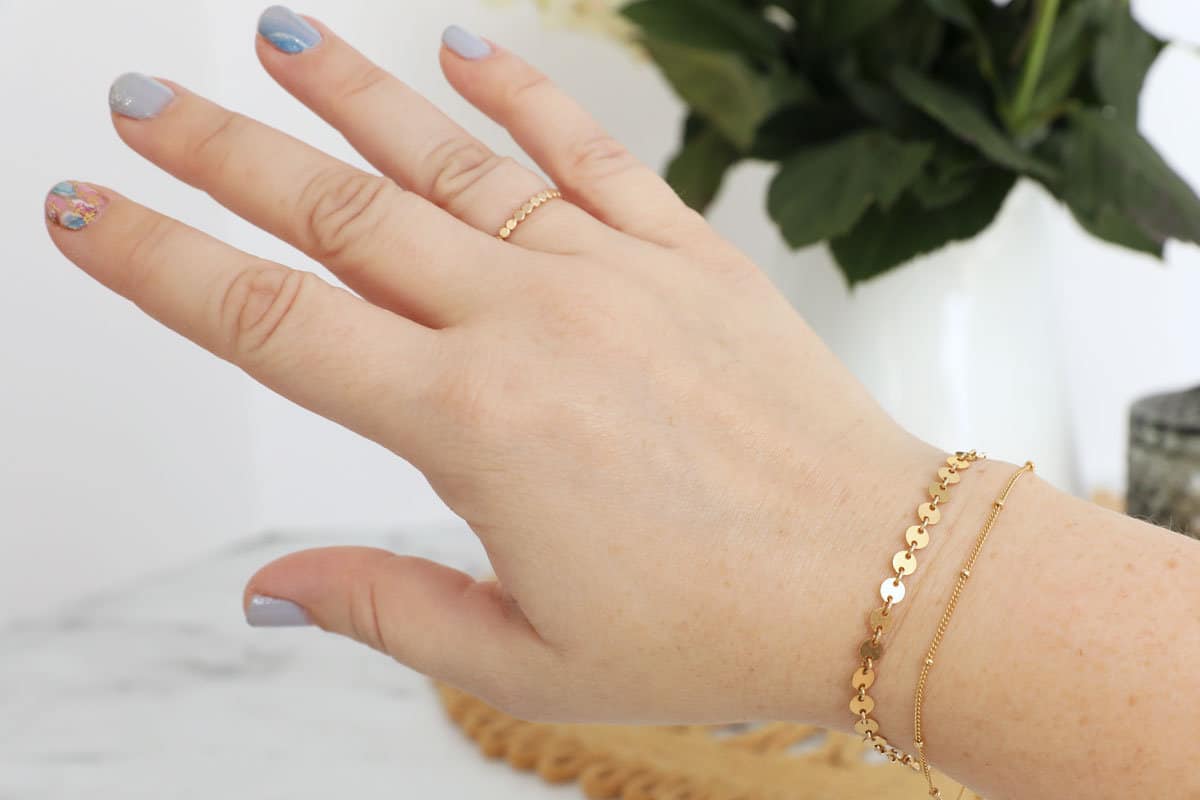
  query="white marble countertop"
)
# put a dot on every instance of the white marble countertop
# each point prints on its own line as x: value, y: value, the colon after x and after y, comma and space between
x: 160, y: 690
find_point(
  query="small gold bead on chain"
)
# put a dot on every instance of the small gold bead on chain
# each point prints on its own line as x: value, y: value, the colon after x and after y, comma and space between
x: 964, y: 574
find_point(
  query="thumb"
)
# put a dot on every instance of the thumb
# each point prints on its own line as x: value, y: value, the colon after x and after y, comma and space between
x: 437, y: 620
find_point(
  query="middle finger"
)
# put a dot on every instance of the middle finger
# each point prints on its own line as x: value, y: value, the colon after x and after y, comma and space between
x: 411, y: 140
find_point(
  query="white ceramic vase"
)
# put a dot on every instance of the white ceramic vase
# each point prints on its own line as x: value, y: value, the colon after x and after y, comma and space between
x: 962, y: 346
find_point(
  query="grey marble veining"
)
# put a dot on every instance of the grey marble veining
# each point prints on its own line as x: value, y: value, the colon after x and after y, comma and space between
x: 160, y: 690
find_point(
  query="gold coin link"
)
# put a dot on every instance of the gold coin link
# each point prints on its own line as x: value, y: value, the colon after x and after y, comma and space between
x: 943, y: 623
x: 526, y: 208
x: 892, y: 591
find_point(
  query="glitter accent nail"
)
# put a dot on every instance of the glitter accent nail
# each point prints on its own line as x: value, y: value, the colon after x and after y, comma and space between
x: 287, y: 31
x: 74, y: 205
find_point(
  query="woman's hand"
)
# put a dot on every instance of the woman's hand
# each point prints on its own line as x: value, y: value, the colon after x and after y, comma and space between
x: 676, y: 482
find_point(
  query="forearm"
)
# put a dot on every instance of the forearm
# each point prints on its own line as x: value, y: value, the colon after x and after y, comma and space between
x: 1066, y: 670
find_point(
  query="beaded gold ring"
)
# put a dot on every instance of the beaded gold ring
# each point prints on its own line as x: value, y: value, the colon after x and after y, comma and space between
x: 527, y: 208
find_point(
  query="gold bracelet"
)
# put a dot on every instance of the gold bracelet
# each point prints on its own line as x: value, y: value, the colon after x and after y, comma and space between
x: 892, y: 592
x: 964, y: 573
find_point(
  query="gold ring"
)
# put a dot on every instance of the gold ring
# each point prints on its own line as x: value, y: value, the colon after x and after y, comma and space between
x: 525, y: 210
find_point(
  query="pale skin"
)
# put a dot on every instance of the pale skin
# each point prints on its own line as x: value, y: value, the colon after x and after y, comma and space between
x: 688, y: 502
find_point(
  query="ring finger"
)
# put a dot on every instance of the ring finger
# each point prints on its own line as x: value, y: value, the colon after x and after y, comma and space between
x: 410, y: 140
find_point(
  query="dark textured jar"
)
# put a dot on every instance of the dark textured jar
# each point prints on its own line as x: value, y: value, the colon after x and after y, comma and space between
x: 1164, y: 461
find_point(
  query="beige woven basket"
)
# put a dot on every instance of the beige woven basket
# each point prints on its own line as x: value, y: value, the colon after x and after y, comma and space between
x: 769, y: 761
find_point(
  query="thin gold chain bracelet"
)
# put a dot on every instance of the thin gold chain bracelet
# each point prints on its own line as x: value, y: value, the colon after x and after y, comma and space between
x: 963, y: 574
x: 892, y: 591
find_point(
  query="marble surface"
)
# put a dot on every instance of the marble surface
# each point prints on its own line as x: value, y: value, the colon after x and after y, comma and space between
x: 158, y: 689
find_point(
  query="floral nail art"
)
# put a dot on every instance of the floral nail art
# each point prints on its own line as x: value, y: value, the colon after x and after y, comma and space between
x: 74, y: 205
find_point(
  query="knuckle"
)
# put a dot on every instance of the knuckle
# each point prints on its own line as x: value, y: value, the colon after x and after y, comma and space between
x: 532, y: 89
x: 459, y: 165
x: 343, y: 207
x: 365, y: 616
x: 598, y: 157
x: 215, y: 147
x: 364, y: 81
x: 687, y: 226
x: 255, y: 306
x: 148, y: 251
x: 693, y: 218
x: 460, y: 396
x: 573, y: 319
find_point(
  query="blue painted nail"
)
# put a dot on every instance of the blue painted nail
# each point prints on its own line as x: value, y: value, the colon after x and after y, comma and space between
x: 287, y: 30
x: 465, y: 43
x: 274, y: 612
x: 138, y: 96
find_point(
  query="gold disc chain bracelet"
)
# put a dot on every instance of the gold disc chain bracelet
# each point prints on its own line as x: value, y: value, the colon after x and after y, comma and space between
x: 904, y: 562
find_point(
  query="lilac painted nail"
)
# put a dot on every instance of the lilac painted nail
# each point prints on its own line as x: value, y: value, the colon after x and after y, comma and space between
x: 138, y: 96
x: 465, y: 44
x: 275, y: 612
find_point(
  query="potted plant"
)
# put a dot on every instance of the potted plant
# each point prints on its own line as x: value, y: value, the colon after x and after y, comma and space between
x: 917, y: 116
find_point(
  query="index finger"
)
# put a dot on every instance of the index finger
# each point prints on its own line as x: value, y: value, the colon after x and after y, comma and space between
x: 320, y: 346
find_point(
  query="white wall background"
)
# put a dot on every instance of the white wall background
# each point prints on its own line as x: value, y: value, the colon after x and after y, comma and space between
x: 124, y: 448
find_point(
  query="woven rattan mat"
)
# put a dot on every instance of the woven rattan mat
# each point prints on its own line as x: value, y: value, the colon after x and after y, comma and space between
x: 769, y: 761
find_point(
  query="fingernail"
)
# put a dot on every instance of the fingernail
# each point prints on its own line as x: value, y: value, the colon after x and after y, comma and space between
x: 274, y: 612
x: 138, y: 96
x: 74, y: 205
x: 465, y: 43
x: 286, y: 30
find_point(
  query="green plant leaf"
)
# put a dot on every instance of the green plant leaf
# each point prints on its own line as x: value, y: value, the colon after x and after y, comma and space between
x: 796, y: 126
x: 960, y: 13
x: 707, y: 24
x: 914, y: 38
x: 1111, y: 173
x: 1123, y: 55
x: 1069, y: 52
x: 957, y: 11
x: 877, y: 101
x: 885, y: 239
x: 821, y: 191
x: 1112, y: 226
x: 950, y: 175
x: 965, y: 119
x: 723, y: 88
x: 696, y: 171
x: 1101, y: 219
x: 845, y: 20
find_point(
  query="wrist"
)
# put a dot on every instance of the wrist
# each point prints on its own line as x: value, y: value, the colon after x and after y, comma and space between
x: 845, y: 579
x: 929, y: 594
